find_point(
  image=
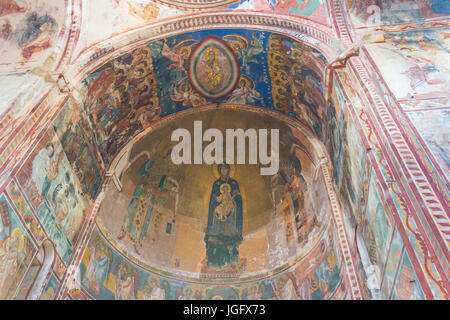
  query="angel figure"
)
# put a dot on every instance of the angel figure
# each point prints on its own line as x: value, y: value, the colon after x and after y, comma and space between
x: 246, y: 51
x: 178, y: 54
x: 184, y: 92
x: 245, y: 93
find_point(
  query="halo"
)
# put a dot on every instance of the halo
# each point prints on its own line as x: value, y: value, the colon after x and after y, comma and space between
x: 215, y: 168
x: 248, y: 82
x: 153, y: 278
x: 223, y: 186
x: 22, y: 241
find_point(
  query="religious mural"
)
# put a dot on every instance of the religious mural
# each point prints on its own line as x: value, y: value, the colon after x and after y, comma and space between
x: 16, y: 250
x: 212, y: 225
x: 407, y: 285
x: 296, y: 72
x: 392, y: 263
x: 105, y: 274
x: 436, y: 138
x: 384, y: 12
x: 22, y: 206
x: 377, y: 226
x: 224, y: 231
x: 211, y: 221
x: 121, y: 101
x: 28, y: 30
x: 414, y: 63
x: 132, y: 92
x: 78, y: 144
x: 54, y: 192
x: 315, y: 10
x: 50, y: 289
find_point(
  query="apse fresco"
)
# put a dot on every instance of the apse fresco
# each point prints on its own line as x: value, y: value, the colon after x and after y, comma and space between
x: 16, y: 250
x: 54, y: 192
x: 170, y: 216
x: 106, y: 274
x: 129, y: 94
x: 384, y: 12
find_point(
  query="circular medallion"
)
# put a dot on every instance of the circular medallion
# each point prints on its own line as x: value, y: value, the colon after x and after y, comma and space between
x: 213, y: 68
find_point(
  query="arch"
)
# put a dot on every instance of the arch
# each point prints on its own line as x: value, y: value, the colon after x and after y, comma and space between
x: 46, y: 257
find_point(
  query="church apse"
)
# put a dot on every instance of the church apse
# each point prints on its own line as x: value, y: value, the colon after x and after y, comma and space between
x: 216, y: 225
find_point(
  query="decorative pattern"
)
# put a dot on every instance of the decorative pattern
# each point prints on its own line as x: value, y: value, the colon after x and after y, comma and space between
x: 199, y: 4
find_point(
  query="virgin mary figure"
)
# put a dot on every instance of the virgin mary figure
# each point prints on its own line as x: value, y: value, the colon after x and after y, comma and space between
x: 224, y: 231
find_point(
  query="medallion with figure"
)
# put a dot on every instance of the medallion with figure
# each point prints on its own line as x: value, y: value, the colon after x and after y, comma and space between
x: 213, y: 68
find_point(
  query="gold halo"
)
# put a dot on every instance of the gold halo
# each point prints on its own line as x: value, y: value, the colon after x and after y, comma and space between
x: 248, y: 82
x: 215, y: 168
x: 22, y: 241
x: 149, y: 280
x: 223, y: 186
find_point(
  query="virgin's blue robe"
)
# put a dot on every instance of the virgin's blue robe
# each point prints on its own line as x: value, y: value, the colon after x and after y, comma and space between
x: 222, y: 238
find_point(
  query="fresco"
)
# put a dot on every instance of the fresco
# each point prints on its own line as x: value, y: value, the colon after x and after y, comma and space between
x: 201, y: 4
x: 50, y: 289
x: 118, y: 16
x: 78, y: 144
x: 121, y: 101
x: 436, y: 138
x: 132, y: 92
x: 316, y: 10
x: 213, y: 68
x: 415, y: 63
x: 407, y: 286
x: 297, y: 84
x: 393, y: 261
x: 53, y: 190
x: 176, y: 93
x: 28, y: 29
x: 377, y: 226
x: 16, y: 250
x: 122, y: 15
x: 105, y: 274
x: 174, y: 216
x: 22, y: 206
x: 348, y: 152
x: 384, y: 12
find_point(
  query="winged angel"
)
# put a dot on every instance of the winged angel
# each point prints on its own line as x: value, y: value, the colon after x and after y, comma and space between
x: 178, y: 53
x: 247, y: 50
